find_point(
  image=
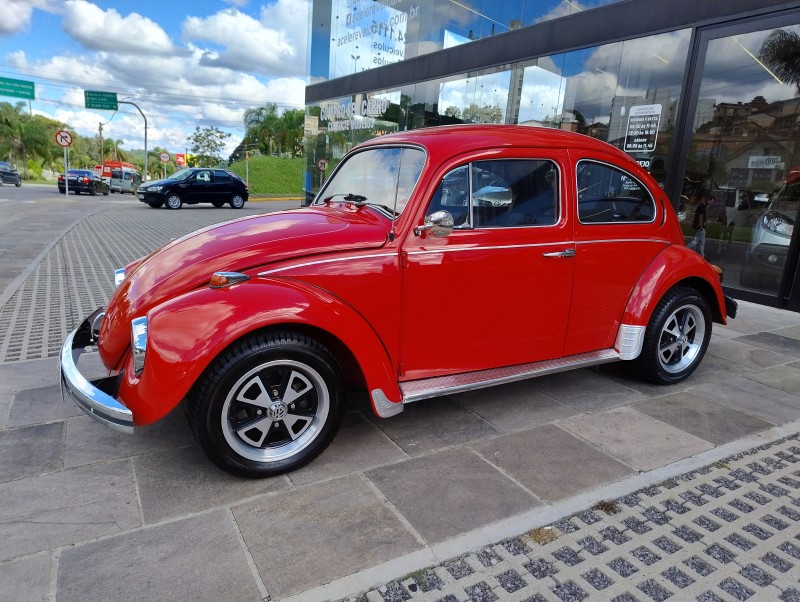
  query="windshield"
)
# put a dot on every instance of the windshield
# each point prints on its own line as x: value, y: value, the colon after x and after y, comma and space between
x: 382, y: 177
x: 181, y: 175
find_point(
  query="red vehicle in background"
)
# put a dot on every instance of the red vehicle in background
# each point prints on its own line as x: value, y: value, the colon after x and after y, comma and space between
x: 109, y: 166
x: 432, y: 262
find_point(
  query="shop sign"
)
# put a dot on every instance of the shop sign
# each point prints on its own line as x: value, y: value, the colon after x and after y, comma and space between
x: 757, y: 162
x: 355, y: 115
x: 643, y: 122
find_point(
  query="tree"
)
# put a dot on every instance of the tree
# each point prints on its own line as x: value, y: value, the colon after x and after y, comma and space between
x: 206, y: 145
x: 781, y: 53
x: 261, y: 126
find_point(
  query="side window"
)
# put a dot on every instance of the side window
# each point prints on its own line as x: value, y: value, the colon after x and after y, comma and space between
x: 452, y: 195
x: 515, y: 192
x: 221, y: 177
x: 204, y: 176
x: 607, y: 195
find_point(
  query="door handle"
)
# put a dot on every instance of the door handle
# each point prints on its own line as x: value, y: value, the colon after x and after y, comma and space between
x: 566, y: 253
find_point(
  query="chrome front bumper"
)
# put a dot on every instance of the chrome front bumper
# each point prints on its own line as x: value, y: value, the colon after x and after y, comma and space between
x: 93, y: 397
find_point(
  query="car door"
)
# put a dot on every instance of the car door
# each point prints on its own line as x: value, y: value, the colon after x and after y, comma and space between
x: 618, y: 232
x: 221, y: 187
x: 493, y: 293
x: 199, y: 188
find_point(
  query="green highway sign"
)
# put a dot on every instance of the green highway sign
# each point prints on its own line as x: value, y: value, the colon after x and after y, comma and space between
x: 100, y: 100
x: 16, y: 87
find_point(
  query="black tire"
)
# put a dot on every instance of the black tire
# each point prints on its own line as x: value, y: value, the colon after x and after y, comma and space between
x: 105, y: 192
x: 18, y: 184
x: 93, y: 190
x: 237, y: 201
x: 276, y: 434
x: 155, y: 204
x: 676, y: 338
x: 173, y: 201
x: 218, y: 204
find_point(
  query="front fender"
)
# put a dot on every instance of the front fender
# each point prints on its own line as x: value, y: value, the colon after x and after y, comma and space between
x: 186, y: 333
x: 674, y: 265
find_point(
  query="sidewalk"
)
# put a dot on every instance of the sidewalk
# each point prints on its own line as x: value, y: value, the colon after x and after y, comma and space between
x: 457, y: 498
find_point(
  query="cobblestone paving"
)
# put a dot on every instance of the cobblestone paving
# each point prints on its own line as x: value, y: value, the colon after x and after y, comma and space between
x: 730, y: 531
x: 77, y: 276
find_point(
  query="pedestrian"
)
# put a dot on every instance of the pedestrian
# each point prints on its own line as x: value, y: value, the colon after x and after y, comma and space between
x: 698, y: 243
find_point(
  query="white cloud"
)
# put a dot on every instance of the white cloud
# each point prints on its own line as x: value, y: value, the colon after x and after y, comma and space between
x: 108, y: 30
x: 269, y: 46
x: 16, y: 14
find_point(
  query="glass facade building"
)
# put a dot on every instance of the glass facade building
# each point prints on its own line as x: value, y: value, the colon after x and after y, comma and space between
x: 704, y: 95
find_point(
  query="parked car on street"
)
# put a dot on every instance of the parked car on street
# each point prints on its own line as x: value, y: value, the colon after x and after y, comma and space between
x: 196, y: 185
x: 82, y: 180
x: 125, y: 179
x: 9, y: 175
x: 262, y: 324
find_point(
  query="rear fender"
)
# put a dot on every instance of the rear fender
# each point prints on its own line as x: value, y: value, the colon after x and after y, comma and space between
x: 186, y: 333
x: 674, y: 265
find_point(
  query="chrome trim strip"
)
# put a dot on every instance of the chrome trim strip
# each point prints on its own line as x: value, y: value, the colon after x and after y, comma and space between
x: 324, y: 261
x: 89, y: 398
x: 629, y: 341
x: 607, y: 240
x: 470, y: 381
x: 383, y: 406
x: 490, y: 248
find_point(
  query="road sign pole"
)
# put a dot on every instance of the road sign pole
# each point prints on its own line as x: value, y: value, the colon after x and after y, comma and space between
x: 66, y: 179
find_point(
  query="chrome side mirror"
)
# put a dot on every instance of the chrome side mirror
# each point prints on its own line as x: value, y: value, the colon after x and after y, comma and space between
x: 439, y: 224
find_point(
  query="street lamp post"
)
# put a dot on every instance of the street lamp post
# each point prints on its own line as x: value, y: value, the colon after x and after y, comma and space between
x: 128, y: 102
x: 355, y: 61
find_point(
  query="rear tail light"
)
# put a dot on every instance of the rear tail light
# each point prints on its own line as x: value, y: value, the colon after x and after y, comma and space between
x: 60, y: 178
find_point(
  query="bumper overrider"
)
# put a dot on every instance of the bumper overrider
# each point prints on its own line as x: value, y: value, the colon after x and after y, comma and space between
x: 95, y: 397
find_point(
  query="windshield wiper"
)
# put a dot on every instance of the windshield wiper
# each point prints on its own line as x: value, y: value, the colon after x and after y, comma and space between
x: 349, y: 197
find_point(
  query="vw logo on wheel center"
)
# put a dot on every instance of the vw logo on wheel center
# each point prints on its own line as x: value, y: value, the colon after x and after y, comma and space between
x: 277, y: 411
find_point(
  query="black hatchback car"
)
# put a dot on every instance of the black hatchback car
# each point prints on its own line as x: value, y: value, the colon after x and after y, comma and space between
x: 196, y: 185
x: 82, y: 180
x: 9, y: 175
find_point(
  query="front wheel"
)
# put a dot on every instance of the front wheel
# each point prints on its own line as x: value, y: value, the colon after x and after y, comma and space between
x: 174, y: 202
x: 237, y: 201
x: 268, y: 405
x: 676, y: 338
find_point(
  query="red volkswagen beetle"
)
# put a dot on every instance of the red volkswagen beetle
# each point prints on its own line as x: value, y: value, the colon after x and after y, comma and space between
x: 432, y: 262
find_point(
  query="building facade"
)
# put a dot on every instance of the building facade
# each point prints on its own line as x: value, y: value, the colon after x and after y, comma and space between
x: 704, y: 95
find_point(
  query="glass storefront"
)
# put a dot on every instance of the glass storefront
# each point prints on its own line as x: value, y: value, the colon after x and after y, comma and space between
x: 743, y: 167
x: 712, y: 111
x: 349, y: 36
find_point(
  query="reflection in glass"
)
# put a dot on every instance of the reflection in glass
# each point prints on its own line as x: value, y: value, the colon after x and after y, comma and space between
x: 744, y: 156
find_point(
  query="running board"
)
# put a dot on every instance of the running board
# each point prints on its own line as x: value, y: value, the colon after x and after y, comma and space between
x: 416, y: 390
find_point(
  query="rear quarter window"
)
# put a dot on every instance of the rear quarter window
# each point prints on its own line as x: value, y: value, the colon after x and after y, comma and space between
x: 610, y: 195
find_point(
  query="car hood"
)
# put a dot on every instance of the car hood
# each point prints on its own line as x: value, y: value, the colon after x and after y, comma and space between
x: 162, y: 182
x: 243, y: 244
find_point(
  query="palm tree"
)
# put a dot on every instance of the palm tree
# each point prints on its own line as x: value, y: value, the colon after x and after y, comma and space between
x: 781, y: 53
x: 261, y: 126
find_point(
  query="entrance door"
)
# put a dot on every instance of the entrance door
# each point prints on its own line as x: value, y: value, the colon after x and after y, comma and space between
x: 740, y: 192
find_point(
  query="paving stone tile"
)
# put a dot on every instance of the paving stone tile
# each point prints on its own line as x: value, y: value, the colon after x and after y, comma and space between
x: 172, y: 562
x: 26, y: 580
x: 514, y: 406
x: 644, y: 443
x: 313, y: 526
x: 359, y: 445
x: 586, y: 390
x: 88, y: 441
x: 469, y: 492
x: 435, y: 424
x: 749, y: 357
x: 66, y: 507
x: 33, y: 374
x: 30, y: 451
x: 760, y: 400
x: 551, y: 462
x: 43, y: 404
x: 774, y: 342
x: 736, y: 589
x: 183, y: 481
x: 702, y: 418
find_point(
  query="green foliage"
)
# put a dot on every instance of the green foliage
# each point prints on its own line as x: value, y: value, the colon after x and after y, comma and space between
x: 272, y: 133
x: 206, y: 144
x: 273, y: 175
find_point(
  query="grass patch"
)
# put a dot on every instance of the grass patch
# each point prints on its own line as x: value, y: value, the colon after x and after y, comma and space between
x: 273, y: 175
x: 542, y: 535
x: 609, y: 507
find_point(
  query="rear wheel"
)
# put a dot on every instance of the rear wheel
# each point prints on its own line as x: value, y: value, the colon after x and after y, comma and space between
x: 174, y: 201
x: 237, y: 201
x: 268, y: 405
x: 676, y: 338
x: 155, y: 204
x: 93, y: 190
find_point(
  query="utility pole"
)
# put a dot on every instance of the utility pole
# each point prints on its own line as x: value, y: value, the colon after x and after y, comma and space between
x: 128, y: 102
x: 102, y: 155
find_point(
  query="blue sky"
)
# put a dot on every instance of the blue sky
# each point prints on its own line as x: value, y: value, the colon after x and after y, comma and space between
x: 183, y: 63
